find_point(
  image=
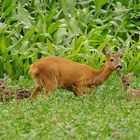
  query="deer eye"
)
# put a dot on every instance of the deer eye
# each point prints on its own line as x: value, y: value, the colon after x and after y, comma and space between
x: 111, y: 59
x: 121, y: 56
x: 124, y: 81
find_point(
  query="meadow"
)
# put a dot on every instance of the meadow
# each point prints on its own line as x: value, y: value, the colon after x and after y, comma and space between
x: 77, y: 30
x: 106, y: 114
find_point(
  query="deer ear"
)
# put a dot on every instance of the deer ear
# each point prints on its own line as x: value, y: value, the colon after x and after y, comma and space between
x: 120, y: 52
x: 120, y: 75
x: 130, y: 75
x: 107, y: 50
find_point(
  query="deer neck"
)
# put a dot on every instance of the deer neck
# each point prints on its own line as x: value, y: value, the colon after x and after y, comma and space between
x: 102, y: 75
x: 130, y: 90
x: 124, y: 88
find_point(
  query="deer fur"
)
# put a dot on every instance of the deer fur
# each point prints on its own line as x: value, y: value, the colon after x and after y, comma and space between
x: 126, y: 86
x: 53, y: 72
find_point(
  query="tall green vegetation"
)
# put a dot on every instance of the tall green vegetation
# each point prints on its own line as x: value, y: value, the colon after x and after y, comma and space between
x: 77, y: 30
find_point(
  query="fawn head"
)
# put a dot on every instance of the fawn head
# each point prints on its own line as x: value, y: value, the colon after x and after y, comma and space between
x: 2, y: 82
x: 113, y: 60
x: 126, y: 79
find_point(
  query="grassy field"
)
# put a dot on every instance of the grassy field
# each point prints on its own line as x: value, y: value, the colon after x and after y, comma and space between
x: 106, y: 114
x: 77, y: 30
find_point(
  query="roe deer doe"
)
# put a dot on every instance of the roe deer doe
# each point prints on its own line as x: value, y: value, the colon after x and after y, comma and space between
x: 54, y: 71
x: 126, y: 86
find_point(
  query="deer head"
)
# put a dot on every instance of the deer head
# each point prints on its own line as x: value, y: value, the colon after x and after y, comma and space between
x: 113, y: 60
x: 126, y: 79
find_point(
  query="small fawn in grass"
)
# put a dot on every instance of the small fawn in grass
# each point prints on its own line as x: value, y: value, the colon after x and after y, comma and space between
x: 8, y: 93
x: 54, y: 71
x: 126, y: 86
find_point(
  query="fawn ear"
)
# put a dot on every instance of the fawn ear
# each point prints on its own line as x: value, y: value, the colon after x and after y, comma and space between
x: 120, y: 52
x: 3, y: 81
x: 130, y: 75
x: 120, y: 75
x: 107, y: 50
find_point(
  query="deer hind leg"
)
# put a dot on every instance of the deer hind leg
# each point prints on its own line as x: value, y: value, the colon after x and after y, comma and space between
x: 49, y: 83
x: 37, y: 88
x: 49, y: 87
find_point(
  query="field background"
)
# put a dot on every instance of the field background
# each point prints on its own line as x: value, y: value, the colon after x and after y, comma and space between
x: 78, y: 30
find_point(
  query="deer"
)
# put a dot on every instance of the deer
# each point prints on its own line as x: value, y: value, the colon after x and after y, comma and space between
x: 126, y: 86
x: 8, y: 94
x: 54, y: 72
x: 5, y: 94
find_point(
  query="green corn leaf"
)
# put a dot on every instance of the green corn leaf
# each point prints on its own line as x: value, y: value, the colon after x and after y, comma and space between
x: 50, y: 47
x: 99, y: 4
x: 8, y: 68
x: 53, y: 27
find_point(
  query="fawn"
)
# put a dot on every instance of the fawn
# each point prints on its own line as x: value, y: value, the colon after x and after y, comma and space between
x: 54, y: 71
x: 126, y: 86
x: 7, y: 93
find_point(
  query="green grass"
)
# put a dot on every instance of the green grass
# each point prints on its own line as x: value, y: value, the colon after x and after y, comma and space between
x: 78, y: 30
x: 106, y: 114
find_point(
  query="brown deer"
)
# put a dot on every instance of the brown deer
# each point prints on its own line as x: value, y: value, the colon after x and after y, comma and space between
x: 126, y: 86
x: 54, y: 71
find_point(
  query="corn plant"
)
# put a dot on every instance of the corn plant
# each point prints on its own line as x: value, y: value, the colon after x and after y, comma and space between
x: 77, y: 30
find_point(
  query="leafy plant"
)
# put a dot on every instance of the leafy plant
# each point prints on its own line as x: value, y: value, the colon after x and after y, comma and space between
x: 77, y: 30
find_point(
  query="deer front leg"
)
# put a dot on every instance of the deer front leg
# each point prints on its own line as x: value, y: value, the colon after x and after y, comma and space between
x: 88, y: 90
x: 84, y: 86
x: 79, y: 90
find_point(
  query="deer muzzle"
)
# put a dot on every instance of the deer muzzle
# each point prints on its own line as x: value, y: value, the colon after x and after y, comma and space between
x: 119, y: 67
